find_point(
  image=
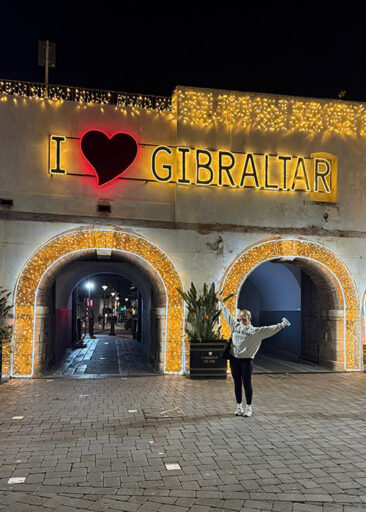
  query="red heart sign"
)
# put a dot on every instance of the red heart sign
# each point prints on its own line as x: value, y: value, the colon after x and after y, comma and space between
x: 110, y: 157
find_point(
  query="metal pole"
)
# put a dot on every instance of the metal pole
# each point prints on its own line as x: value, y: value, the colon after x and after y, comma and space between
x: 46, y: 66
x: 103, y: 322
x: 86, y: 316
x: 89, y: 313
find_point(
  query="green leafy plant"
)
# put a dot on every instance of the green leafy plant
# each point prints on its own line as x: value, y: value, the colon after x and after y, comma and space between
x: 203, y: 313
x: 4, y: 308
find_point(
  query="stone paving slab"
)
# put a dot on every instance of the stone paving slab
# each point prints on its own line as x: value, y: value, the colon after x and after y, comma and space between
x: 90, y: 445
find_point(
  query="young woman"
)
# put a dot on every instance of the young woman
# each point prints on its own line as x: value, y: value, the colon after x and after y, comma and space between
x: 246, y: 341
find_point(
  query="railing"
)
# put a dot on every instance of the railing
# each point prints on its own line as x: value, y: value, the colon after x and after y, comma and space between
x: 82, y: 95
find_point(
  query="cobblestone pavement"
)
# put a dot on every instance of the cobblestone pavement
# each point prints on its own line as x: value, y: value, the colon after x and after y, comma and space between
x: 106, y: 445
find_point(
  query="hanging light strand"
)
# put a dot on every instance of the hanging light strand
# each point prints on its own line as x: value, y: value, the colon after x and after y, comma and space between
x: 88, y: 96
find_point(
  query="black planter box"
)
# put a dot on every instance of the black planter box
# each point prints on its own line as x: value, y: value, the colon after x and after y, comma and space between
x: 206, y: 361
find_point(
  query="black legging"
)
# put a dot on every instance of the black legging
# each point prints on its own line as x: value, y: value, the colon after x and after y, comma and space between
x: 241, y: 370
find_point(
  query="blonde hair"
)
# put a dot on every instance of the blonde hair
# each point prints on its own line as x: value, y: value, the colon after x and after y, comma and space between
x: 247, y: 312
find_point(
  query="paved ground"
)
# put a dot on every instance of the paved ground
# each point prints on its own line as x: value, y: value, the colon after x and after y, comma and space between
x: 105, y: 355
x: 283, y: 363
x: 122, y: 355
x: 105, y: 445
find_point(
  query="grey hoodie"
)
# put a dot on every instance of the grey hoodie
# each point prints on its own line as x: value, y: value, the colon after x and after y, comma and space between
x: 246, y: 338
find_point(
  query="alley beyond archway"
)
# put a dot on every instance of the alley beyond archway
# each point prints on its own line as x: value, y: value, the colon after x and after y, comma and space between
x: 104, y: 356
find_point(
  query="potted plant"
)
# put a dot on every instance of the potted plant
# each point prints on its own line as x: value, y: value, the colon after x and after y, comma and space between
x: 204, y: 333
x: 4, y: 335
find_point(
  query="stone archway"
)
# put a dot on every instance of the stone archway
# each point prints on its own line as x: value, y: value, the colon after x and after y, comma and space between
x: 328, y: 272
x: 57, y: 252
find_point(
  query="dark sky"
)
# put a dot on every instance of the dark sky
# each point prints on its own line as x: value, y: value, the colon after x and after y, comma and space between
x: 309, y: 49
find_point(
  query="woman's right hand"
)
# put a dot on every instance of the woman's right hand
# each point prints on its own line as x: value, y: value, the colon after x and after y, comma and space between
x: 219, y: 297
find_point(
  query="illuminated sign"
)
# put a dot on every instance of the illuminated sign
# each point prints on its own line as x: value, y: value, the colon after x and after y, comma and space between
x: 109, y: 157
x: 316, y: 174
x: 57, y: 139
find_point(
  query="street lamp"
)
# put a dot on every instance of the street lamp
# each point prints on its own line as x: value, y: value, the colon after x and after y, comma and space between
x: 117, y: 306
x: 112, y: 332
x: 104, y: 286
x: 89, y: 285
x: 113, y: 294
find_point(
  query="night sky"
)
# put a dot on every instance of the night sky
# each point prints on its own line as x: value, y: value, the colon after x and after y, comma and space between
x: 149, y: 47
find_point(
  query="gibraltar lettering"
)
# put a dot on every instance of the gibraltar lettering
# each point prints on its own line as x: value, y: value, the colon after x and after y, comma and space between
x: 247, y: 170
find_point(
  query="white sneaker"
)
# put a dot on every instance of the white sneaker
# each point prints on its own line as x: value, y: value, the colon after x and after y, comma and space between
x: 239, y: 410
x: 248, y: 411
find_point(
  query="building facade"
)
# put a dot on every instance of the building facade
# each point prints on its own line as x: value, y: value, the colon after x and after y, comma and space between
x: 205, y: 186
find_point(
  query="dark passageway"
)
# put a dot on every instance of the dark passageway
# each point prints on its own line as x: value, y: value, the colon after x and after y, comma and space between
x: 101, y: 319
x: 276, y: 289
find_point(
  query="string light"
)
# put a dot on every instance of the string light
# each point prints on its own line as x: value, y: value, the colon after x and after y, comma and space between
x: 233, y: 110
x: 6, y: 357
x: 342, y: 118
x: 306, y: 117
x: 204, y: 109
x: 268, y: 113
x: 83, y: 239
x: 195, y: 107
x: 84, y: 96
x: 320, y: 255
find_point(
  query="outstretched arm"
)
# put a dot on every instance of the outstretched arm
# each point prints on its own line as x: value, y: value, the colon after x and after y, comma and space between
x: 227, y: 315
x: 270, y: 330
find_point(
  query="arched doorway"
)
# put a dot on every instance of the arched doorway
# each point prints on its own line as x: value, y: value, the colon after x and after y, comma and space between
x: 37, y: 276
x: 339, y: 317
x: 81, y: 301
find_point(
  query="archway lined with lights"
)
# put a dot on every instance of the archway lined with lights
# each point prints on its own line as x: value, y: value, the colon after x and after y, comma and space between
x: 39, y: 271
x: 339, y: 298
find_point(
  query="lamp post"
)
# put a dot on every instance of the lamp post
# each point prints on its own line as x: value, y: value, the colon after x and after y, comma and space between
x: 104, y: 286
x: 117, y: 307
x: 113, y: 303
x: 89, y: 285
x: 112, y: 332
x: 126, y: 305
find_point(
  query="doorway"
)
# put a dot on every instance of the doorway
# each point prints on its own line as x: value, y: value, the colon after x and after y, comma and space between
x: 101, y: 320
x: 277, y: 289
